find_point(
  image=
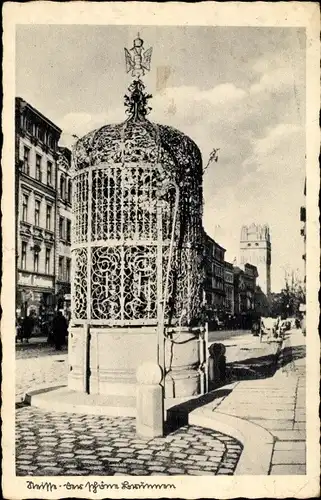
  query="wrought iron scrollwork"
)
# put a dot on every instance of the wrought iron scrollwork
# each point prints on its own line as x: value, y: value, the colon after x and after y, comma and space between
x: 79, y: 283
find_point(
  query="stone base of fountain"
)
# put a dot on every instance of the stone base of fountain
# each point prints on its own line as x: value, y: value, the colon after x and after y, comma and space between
x: 103, y: 361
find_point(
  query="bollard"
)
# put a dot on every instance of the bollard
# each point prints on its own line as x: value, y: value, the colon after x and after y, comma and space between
x: 149, y: 401
x: 216, y: 364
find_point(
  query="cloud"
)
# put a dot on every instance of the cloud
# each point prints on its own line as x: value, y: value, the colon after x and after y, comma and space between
x: 280, y: 141
x: 269, y: 190
x: 276, y: 80
x: 259, y: 175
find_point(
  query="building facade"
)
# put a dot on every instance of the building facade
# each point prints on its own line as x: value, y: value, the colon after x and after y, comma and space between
x: 229, y: 287
x: 255, y: 249
x: 214, y: 291
x: 63, y: 224
x: 36, y: 159
x: 244, y: 289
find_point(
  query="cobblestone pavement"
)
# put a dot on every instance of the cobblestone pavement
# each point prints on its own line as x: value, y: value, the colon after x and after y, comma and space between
x: 71, y: 444
x: 51, y: 443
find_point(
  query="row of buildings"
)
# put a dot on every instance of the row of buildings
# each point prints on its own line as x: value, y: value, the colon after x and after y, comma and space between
x: 231, y: 289
x: 43, y: 231
x: 43, y: 213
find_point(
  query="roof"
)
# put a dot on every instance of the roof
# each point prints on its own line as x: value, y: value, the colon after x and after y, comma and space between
x: 24, y: 103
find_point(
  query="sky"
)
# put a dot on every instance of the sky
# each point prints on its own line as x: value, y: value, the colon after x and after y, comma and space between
x: 239, y: 89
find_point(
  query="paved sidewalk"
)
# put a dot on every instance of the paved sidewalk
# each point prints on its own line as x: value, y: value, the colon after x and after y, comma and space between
x: 35, y: 372
x: 276, y: 404
x: 36, y: 347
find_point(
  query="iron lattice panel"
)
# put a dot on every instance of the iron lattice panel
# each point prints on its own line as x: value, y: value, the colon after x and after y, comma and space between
x: 124, y: 203
x: 126, y: 227
x: 80, y: 208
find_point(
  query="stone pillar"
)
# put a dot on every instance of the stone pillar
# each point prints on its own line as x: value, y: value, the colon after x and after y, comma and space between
x: 149, y: 401
x: 216, y: 365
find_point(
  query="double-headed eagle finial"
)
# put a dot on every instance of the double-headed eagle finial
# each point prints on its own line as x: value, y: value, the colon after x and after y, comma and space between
x: 139, y: 60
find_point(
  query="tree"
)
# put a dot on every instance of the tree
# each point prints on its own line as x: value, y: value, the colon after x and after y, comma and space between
x: 287, y: 302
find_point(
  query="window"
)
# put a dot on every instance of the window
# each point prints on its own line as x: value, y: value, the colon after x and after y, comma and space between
x: 68, y: 270
x: 69, y: 191
x: 62, y: 186
x: 25, y: 199
x: 36, y: 261
x: 48, y: 252
x: 40, y: 133
x: 29, y: 126
x: 61, y: 228
x: 23, y: 254
x: 26, y: 159
x: 48, y: 217
x: 38, y: 167
x: 61, y: 268
x: 37, y: 212
x: 68, y: 230
x: 49, y: 173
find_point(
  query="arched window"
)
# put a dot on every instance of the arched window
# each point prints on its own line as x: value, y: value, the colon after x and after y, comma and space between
x: 69, y: 191
x: 62, y: 186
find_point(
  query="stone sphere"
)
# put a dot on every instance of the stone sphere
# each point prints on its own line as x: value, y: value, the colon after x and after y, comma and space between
x: 149, y: 373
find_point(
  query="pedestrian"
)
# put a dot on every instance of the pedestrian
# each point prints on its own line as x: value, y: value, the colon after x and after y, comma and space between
x: 59, y: 330
x: 19, y: 329
x: 27, y: 326
x: 256, y: 327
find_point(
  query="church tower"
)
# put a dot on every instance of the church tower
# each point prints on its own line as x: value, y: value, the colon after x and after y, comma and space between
x: 255, y: 249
